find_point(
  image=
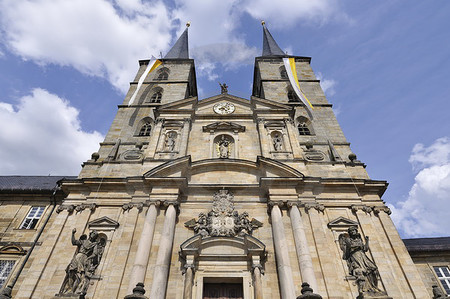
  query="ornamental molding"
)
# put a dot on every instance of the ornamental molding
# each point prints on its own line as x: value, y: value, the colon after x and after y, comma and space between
x: 222, y: 220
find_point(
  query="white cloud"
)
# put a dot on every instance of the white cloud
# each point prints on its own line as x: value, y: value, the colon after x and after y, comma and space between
x: 327, y: 84
x: 93, y: 36
x: 105, y: 37
x: 289, y: 12
x: 425, y: 211
x: 43, y: 135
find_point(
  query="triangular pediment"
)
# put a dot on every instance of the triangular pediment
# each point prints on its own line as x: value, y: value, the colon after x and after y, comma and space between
x: 342, y: 222
x: 239, y: 106
x: 103, y: 223
x: 224, y: 126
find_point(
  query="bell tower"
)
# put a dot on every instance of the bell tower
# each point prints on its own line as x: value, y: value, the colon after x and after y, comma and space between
x: 134, y: 136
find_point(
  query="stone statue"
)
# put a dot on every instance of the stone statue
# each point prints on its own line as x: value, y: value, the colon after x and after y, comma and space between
x: 224, y: 148
x: 359, y: 265
x: 223, y: 87
x: 170, y: 141
x: 84, y: 263
x: 277, y: 142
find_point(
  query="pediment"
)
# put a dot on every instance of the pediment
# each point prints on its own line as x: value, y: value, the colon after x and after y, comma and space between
x: 342, y: 222
x: 103, y: 223
x: 224, y: 126
x: 13, y: 249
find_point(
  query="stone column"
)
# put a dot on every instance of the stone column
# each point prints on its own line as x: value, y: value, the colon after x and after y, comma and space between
x: 161, y: 274
x: 185, y: 136
x: 296, y: 149
x: 188, y: 281
x: 301, y: 245
x: 144, y: 246
x: 257, y: 270
x: 282, y: 254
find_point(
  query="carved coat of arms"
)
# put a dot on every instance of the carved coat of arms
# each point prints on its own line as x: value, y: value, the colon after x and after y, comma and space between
x: 223, y: 220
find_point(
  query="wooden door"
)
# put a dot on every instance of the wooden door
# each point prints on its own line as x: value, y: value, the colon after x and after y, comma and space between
x: 222, y: 291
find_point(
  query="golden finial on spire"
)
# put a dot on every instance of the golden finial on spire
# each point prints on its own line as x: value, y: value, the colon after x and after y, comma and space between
x: 263, y: 22
x: 188, y: 24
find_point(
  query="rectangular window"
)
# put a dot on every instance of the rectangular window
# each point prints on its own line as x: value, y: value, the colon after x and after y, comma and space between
x: 5, y: 269
x: 443, y: 273
x: 32, y: 218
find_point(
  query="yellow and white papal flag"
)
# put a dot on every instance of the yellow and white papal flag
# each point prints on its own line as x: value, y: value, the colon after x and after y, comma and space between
x: 289, y: 64
x: 152, y: 65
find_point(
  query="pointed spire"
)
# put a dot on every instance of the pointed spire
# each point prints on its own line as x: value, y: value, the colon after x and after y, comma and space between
x: 270, y: 46
x: 180, y: 50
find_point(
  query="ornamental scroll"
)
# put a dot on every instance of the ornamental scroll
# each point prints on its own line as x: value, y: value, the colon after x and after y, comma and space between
x: 223, y: 220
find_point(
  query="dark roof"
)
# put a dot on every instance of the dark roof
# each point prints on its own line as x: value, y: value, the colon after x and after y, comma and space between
x: 30, y: 183
x: 427, y: 244
x: 270, y: 46
x: 181, y: 48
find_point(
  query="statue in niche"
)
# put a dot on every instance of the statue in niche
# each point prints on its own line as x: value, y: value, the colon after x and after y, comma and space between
x: 277, y: 140
x: 224, y: 148
x: 83, y: 265
x: 169, y: 143
x: 359, y: 265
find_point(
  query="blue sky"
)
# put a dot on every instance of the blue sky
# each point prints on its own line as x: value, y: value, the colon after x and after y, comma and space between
x: 384, y: 65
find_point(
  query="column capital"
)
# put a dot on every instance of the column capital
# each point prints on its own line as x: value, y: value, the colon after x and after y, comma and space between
x: 128, y: 206
x: 84, y: 206
x: 156, y: 203
x: 259, y: 266
x: 188, y: 266
x: 319, y: 207
x: 297, y: 204
x: 260, y: 120
x: 160, y: 120
x: 364, y: 208
x: 68, y: 208
x: 377, y: 210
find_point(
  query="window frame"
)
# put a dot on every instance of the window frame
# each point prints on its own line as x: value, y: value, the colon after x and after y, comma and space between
x: 6, y: 278
x: 444, y: 280
x: 29, y: 225
x: 148, y: 130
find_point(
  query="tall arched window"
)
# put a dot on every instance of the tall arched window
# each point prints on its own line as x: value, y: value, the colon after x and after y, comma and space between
x: 283, y: 73
x: 163, y: 74
x: 156, y: 97
x: 303, y: 128
x: 145, y: 129
x: 292, y: 96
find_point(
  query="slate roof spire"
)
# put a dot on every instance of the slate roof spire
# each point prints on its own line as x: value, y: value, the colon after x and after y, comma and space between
x: 181, y: 49
x: 270, y: 46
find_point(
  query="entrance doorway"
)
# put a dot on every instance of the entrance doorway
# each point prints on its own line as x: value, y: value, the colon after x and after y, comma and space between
x: 222, y: 291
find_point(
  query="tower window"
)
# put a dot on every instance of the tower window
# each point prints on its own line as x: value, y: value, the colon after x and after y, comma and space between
x: 443, y: 273
x: 283, y: 73
x: 303, y: 129
x: 6, y: 267
x: 32, y: 218
x: 145, y: 130
x: 156, y: 97
x: 292, y: 96
x: 163, y: 76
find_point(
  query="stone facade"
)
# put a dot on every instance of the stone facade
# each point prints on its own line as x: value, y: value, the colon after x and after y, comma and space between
x: 150, y: 193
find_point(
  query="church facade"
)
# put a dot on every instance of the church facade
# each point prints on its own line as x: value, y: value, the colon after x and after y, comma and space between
x: 221, y: 198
